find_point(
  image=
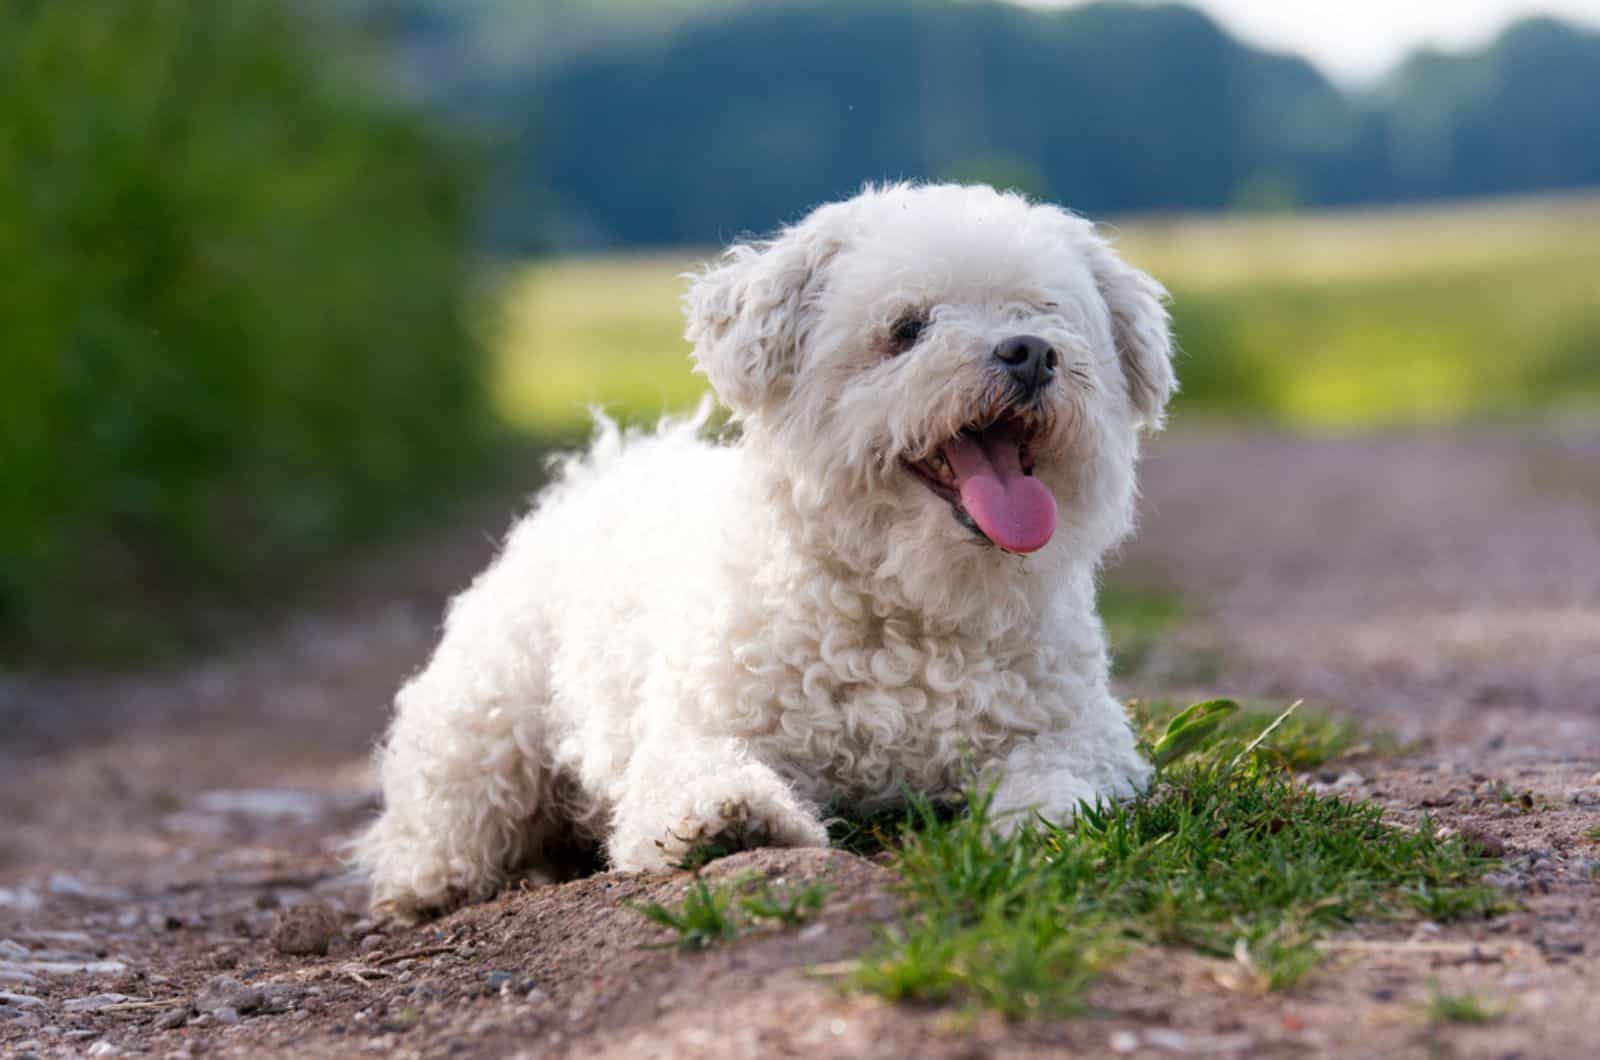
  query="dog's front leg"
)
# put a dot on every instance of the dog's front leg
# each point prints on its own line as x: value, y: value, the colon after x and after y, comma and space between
x: 463, y: 796
x: 684, y: 791
x: 1050, y: 774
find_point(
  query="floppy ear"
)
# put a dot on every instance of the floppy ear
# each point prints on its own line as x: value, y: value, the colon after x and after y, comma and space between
x: 748, y: 315
x: 1141, y: 330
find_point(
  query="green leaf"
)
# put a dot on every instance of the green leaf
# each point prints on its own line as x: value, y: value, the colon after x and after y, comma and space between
x: 1192, y: 728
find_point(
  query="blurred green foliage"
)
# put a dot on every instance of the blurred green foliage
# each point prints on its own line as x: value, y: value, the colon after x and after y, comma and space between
x: 232, y: 309
x: 1482, y: 343
x: 1387, y: 318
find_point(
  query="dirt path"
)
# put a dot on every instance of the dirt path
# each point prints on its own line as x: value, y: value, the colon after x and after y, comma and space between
x: 1446, y: 587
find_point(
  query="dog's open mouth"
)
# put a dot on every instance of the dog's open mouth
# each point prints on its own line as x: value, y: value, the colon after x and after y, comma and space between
x: 985, y: 473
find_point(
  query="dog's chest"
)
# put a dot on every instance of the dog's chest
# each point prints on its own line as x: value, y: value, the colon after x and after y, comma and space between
x: 857, y: 708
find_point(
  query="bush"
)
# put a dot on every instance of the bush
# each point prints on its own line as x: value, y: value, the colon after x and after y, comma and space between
x: 232, y: 334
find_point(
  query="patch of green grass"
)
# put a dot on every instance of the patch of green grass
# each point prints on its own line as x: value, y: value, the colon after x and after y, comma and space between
x: 702, y: 854
x: 1228, y: 855
x: 873, y: 833
x: 706, y: 916
x: 789, y: 906
x: 1593, y: 833
x: 1465, y: 1008
x: 722, y: 912
x: 1305, y: 740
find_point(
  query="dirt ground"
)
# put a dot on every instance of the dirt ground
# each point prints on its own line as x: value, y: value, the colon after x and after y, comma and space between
x: 158, y: 826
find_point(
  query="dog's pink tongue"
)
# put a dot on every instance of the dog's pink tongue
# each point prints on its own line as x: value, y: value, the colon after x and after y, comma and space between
x: 1016, y: 511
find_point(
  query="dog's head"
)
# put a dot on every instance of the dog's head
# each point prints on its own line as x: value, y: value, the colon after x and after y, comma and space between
x: 941, y: 370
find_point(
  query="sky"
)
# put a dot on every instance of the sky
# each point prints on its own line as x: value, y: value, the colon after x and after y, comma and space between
x: 1356, y: 41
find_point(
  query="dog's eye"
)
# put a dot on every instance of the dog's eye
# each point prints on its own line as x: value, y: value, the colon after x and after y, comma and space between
x: 906, y: 331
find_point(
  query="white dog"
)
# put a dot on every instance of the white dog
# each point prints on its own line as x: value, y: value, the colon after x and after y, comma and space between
x: 886, y: 582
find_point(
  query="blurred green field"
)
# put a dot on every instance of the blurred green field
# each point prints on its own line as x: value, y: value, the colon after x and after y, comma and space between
x: 1327, y: 321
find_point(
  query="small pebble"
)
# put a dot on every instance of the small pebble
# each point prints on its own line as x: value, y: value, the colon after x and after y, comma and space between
x: 1163, y: 1038
x: 102, y: 1048
x: 279, y: 997
x: 1124, y: 1041
x: 1561, y: 947
x: 1586, y: 796
x: 225, y: 1015
x: 227, y: 993
x: 174, y: 1018
x: 305, y: 929
x: 68, y: 886
x: 131, y: 983
x: 1489, y: 845
x: 1510, y: 881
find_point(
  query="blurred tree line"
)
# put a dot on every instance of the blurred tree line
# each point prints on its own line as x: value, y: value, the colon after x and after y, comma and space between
x: 232, y: 309
x: 688, y: 122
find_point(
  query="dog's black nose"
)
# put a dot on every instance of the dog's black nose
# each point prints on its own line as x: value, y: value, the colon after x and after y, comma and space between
x: 1030, y: 360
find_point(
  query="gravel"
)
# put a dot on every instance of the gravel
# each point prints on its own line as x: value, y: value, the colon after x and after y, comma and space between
x: 226, y: 993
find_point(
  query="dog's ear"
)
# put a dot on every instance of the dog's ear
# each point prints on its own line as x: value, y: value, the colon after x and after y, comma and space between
x: 1141, y: 330
x: 748, y: 315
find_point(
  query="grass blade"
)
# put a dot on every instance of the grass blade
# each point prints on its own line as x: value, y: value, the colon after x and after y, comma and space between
x: 1268, y: 731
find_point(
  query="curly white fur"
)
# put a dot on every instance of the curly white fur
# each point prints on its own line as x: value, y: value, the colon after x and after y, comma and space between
x: 688, y: 641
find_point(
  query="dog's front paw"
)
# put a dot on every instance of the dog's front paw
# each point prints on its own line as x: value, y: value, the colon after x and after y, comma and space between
x: 415, y: 876
x: 1055, y: 797
x: 737, y: 825
x: 407, y: 907
x: 711, y: 824
x: 1017, y: 802
x: 1052, y: 776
